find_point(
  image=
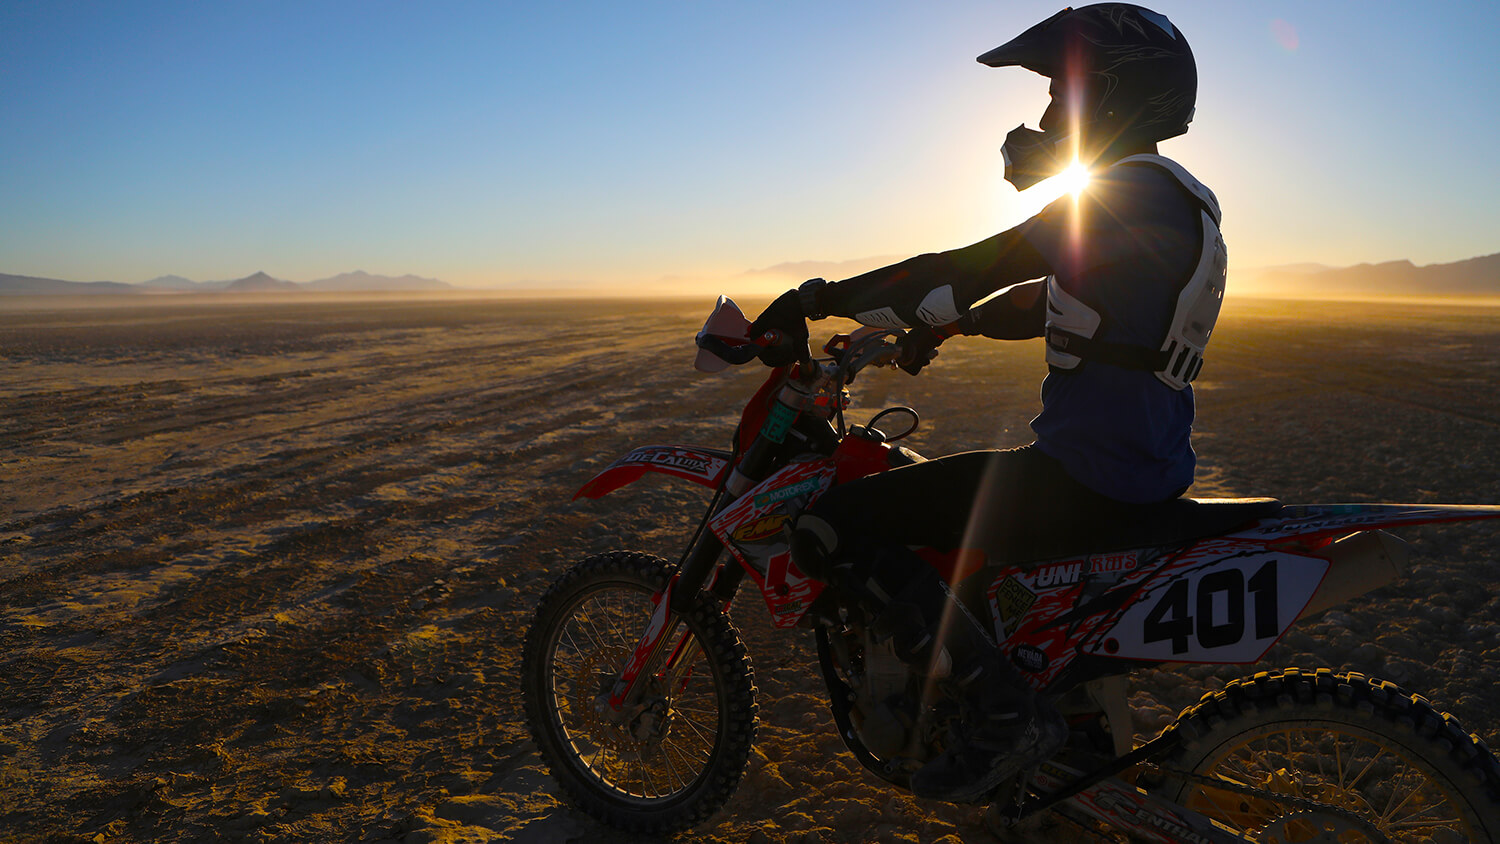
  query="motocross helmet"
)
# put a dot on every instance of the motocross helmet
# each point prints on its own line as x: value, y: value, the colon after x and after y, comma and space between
x: 1122, y: 76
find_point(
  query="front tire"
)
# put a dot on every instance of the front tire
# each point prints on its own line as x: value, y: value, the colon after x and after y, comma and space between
x: 1365, y: 746
x: 680, y: 760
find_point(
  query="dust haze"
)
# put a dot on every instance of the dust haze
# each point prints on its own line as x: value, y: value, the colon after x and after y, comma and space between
x: 265, y: 567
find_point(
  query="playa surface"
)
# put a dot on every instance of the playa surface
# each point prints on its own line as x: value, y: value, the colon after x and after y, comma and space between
x: 265, y: 567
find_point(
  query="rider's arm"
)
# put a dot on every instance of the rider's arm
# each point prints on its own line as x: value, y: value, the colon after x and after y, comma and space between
x: 1019, y: 313
x: 936, y: 288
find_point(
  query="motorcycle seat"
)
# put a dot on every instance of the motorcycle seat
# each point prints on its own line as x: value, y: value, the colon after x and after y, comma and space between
x: 1174, y: 522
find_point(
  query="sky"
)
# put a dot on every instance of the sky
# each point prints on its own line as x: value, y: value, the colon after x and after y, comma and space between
x: 689, y: 142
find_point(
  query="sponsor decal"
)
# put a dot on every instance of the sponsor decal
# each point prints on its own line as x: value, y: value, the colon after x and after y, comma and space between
x: 1011, y: 599
x: 1129, y: 808
x: 1060, y: 574
x: 1114, y: 563
x: 788, y: 592
x: 786, y: 493
x: 778, y: 422
x: 1313, y: 518
x: 794, y: 605
x: 1030, y: 658
x: 685, y: 461
x: 766, y: 527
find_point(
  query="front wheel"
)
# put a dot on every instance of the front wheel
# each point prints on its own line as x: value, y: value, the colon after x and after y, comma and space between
x: 677, y: 751
x: 1394, y: 768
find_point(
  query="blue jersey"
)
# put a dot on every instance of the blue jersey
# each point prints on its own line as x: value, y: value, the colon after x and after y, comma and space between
x: 1124, y: 247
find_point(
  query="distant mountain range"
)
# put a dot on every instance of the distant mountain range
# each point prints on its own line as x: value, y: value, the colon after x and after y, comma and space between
x: 260, y: 282
x: 1474, y: 277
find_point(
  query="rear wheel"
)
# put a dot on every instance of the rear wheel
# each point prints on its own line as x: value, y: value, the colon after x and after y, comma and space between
x: 1394, y: 768
x: 679, y: 750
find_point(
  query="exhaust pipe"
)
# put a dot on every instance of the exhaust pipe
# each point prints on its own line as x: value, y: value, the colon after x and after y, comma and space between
x: 1358, y: 564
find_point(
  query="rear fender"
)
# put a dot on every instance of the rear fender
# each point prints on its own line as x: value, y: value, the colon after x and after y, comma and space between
x: 1312, y: 523
x: 704, y: 466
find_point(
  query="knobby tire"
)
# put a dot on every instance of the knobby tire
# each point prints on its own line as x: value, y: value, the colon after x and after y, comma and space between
x: 585, y: 627
x: 1364, y: 745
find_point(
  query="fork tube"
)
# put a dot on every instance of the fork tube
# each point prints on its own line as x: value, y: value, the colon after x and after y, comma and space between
x: 700, y: 564
x: 702, y: 560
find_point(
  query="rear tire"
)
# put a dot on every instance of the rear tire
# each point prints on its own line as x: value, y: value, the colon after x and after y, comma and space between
x: 655, y: 779
x: 1366, y: 746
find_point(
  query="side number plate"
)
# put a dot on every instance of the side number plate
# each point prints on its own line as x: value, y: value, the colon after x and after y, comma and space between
x: 1227, y: 610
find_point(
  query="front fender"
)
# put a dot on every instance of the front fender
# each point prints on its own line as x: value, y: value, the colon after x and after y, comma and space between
x: 700, y: 465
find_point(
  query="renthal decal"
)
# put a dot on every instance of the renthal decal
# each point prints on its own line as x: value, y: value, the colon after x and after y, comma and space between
x: 761, y: 529
x: 1011, y: 599
x: 686, y: 461
x: 1123, y: 806
x: 1114, y: 563
x: 1059, y: 574
x: 766, y: 499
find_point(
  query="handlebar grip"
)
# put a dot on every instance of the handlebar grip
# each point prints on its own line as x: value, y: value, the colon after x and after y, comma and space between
x: 737, y: 353
x: 732, y: 354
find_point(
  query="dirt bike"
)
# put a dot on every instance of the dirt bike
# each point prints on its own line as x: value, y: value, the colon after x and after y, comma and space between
x: 641, y: 699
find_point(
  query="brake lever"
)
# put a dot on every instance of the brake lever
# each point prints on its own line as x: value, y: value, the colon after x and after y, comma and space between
x: 872, y: 351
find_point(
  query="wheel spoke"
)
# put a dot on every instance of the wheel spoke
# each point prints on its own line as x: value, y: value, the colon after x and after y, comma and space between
x: 664, y: 739
x: 1356, y: 770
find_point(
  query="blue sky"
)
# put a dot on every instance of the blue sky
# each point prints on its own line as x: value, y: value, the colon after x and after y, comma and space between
x: 632, y: 143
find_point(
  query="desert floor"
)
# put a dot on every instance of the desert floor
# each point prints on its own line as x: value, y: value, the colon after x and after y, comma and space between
x: 265, y: 568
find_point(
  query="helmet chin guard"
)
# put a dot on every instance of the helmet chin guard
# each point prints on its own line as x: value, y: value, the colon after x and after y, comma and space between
x: 1031, y: 156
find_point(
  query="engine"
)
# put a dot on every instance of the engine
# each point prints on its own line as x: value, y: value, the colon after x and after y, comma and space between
x: 898, y: 714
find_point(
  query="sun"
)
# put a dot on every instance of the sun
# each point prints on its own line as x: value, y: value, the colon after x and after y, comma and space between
x: 1074, y: 178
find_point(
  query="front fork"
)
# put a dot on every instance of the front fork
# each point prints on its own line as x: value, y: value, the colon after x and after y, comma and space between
x: 670, y: 604
x: 701, y: 568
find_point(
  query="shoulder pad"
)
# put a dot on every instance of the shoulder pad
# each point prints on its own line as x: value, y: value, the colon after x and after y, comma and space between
x: 1199, y: 191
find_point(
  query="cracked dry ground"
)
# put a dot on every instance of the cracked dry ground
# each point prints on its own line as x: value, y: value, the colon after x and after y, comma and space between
x: 265, y: 568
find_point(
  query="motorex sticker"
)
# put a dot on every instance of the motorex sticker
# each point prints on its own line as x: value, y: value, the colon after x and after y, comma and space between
x: 786, y: 493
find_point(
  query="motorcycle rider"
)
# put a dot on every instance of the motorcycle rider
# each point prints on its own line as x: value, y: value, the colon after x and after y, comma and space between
x: 1124, y: 281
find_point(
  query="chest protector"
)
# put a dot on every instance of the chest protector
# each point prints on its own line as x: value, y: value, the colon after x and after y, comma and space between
x: 1072, y: 323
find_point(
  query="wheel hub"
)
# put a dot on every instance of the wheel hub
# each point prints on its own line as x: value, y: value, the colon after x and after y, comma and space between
x: 639, y: 725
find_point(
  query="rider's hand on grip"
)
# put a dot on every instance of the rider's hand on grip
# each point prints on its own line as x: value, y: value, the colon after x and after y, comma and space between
x: 784, y: 316
x: 918, y: 348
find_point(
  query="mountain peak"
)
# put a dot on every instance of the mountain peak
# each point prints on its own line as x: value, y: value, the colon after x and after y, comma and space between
x: 260, y: 281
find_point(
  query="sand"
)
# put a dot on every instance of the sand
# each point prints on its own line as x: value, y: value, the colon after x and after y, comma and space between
x: 265, y: 568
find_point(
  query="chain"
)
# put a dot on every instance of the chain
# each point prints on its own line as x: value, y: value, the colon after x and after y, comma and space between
x: 1291, y: 803
x: 1298, y: 803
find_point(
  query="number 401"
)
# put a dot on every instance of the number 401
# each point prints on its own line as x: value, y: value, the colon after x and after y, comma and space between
x: 1173, y: 618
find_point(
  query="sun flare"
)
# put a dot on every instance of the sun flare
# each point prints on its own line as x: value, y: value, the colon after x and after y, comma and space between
x: 1074, y: 178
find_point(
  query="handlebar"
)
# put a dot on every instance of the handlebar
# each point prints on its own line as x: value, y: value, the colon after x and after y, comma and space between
x: 850, y: 352
x: 739, y: 353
